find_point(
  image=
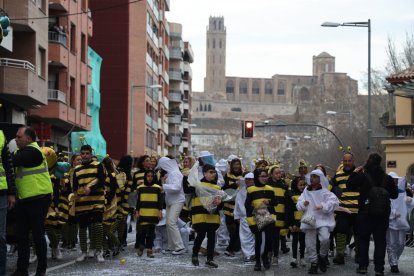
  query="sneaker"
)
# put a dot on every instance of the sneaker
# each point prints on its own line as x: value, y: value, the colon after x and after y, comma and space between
x: 339, y: 260
x: 194, y: 260
x: 211, y: 264
x: 178, y: 252
x: 257, y: 267
x: 302, y: 262
x: 107, y: 254
x: 91, y: 253
x: 82, y: 257
x: 362, y: 270
x: 322, y: 264
x: 275, y: 260
x: 229, y: 253
x: 249, y: 259
x: 313, y: 269
x: 33, y: 257
x: 58, y: 254
x: 140, y: 251
x: 294, y: 263
x: 99, y: 257
x: 149, y: 253
x: 394, y: 269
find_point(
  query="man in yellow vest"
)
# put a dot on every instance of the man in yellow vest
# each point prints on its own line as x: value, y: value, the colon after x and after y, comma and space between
x: 34, y: 190
x: 7, y: 196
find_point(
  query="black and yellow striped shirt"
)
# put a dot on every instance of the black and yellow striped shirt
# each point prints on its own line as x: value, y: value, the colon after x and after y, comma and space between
x: 230, y: 182
x: 279, y: 188
x: 149, y: 203
x: 348, y: 198
x: 254, y: 199
x: 199, y: 214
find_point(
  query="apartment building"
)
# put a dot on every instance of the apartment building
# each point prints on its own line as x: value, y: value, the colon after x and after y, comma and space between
x: 133, y: 38
x: 68, y: 74
x: 23, y: 62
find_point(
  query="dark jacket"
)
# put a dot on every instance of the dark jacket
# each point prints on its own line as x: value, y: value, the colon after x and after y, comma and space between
x: 8, y: 169
x: 359, y: 181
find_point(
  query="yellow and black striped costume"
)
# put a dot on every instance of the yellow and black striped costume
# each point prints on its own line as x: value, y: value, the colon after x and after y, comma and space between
x: 230, y: 182
x: 297, y: 215
x: 89, y: 175
x: 280, y: 189
x: 65, y: 191
x: 110, y: 200
x: 54, y: 218
x: 149, y: 204
x: 199, y: 214
x: 348, y: 198
x: 254, y: 199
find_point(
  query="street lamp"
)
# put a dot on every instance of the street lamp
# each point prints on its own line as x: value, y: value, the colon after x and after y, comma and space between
x: 366, y: 24
x: 131, y: 118
x: 283, y: 124
x: 330, y: 112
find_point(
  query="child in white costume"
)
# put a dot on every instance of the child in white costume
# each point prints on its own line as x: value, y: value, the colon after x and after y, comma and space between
x: 246, y: 236
x: 318, y: 205
x: 398, y: 226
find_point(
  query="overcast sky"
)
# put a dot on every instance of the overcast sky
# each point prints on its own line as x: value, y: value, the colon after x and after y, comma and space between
x: 268, y: 37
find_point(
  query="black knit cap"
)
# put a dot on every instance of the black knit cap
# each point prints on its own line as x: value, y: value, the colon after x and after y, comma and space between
x: 208, y: 167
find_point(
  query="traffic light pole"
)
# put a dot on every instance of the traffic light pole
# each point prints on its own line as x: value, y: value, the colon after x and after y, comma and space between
x: 300, y: 124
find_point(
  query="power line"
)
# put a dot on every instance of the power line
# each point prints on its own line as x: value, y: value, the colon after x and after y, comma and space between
x: 77, y: 13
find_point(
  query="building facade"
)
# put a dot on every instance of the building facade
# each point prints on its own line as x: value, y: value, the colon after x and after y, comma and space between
x: 400, y: 149
x: 135, y: 80
x: 180, y: 94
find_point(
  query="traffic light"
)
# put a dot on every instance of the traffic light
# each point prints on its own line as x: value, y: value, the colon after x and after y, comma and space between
x: 4, y: 24
x: 248, y: 129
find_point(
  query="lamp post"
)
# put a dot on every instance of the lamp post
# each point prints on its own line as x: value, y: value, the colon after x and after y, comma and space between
x: 366, y: 24
x: 131, y: 118
x: 330, y: 112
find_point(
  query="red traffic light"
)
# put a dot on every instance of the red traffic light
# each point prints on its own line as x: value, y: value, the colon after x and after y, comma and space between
x: 248, y: 129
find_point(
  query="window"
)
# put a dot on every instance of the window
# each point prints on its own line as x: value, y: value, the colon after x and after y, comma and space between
x: 243, y: 87
x: 281, y: 88
x: 214, y: 43
x: 201, y: 107
x: 220, y: 44
x: 268, y: 88
x: 73, y: 38
x: 255, y: 88
x: 230, y: 86
x: 83, y: 99
x: 72, y: 93
x: 41, y: 63
x: 209, y: 107
x: 304, y: 94
x: 83, y: 48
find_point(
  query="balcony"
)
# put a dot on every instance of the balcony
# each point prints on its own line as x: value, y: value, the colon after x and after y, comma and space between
x: 59, y: 5
x: 175, y: 96
x: 174, y: 119
x: 175, y: 53
x: 402, y: 131
x: 57, y: 37
x: 56, y: 95
x: 58, y: 52
x: 175, y: 140
x: 20, y: 84
x: 175, y: 74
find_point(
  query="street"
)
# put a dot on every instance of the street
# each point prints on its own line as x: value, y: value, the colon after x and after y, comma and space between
x: 181, y: 265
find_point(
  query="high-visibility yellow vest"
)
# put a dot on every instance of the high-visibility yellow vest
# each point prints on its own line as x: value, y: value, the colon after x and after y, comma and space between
x: 33, y: 181
x: 3, y: 180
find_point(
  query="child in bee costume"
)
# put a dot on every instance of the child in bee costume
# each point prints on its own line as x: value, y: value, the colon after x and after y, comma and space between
x: 398, y: 225
x: 318, y: 205
x: 148, y: 213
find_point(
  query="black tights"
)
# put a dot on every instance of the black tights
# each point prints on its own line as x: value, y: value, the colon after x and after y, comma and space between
x: 202, y: 230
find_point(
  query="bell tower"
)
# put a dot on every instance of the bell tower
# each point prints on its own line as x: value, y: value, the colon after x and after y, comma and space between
x: 216, y: 56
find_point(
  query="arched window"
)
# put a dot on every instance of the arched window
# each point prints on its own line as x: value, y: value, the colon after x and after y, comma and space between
x: 268, y: 88
x: 219, y: 25
x: 205, y: 107
x: 281, y: 88
x: 243, y: 87
x: 255, y: 87
x: 209, y: 107
x: 304, y: 94
x: 201, y: 107
x: 230, y: 86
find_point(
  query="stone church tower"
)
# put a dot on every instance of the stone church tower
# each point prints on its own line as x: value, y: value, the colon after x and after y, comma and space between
x: 215, y: 80
x: 323, y: 63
